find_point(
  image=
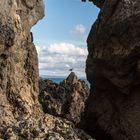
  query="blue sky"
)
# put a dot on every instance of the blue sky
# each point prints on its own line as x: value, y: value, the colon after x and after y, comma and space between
x: 60, y: 37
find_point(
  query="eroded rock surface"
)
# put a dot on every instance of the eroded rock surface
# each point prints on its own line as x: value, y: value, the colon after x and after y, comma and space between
x: 98, y: 3
x: 47, y: 127
x: 66, y: 99
x: 113, y: 70
x: 21, y: 117
x: 18, y: 59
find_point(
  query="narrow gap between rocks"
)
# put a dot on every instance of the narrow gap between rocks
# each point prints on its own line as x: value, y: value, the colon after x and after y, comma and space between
x: 60, y: 39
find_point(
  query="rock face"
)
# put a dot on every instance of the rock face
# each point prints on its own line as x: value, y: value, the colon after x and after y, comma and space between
x: 98, y: 3
x: 45, y: 128
x: 18, y: 58
x: 21, y: 117
x: 113, y: 70
x: 66, y: 99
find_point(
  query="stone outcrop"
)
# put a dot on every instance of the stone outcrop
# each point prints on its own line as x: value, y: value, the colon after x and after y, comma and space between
x: 113, y: 70
x: 18, y: 59
x: 45, y: 128
x: 21, y: 117
x: 66, y: 99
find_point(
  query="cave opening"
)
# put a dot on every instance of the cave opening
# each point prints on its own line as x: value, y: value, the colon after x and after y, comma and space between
x: 60, y: 37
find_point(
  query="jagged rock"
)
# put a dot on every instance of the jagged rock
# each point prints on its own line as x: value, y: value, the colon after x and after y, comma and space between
x: 98, y: 3
x: 66, y: 99
x: 72, y: 78
x: 113, y: 70
x: 18, y: 59
x: 21, y: 117
x: 45, y: 128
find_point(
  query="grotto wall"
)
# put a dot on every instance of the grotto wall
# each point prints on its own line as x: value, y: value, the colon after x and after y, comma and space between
x: 113, y: 70
x: 21, y: 115
x: 18, y: 58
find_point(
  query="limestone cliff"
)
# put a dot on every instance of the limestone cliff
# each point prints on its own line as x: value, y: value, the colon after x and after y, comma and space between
x: 113, y: 70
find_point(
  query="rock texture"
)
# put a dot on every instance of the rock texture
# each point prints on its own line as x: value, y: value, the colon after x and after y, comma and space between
x: 98, y: 3
x: 45, y: 128
x: 21, y: 117
x: 113, y: 70
x: 66, y: 99
x: 18, y: 59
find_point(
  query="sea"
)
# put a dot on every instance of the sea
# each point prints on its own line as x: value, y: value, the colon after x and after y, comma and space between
x: 55, y: 79
x: 58, y: 79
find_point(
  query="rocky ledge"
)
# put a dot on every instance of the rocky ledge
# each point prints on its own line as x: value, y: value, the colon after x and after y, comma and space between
x: 45, y: 127
x: 63, y: 105
x: 66, y: 99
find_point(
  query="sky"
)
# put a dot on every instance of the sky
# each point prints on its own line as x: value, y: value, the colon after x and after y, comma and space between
x: 60, y: 37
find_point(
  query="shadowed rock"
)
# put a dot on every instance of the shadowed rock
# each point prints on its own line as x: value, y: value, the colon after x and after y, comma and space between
x: 98, y: 3
x: 113, y: 70
x: 21, y: 117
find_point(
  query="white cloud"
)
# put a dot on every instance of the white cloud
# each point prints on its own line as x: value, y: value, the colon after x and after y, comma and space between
x: 58, y: 58
x: 79, y: 29
x: 66, y: 49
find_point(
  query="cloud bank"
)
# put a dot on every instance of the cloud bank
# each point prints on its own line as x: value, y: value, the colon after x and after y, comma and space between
x: 57, y: 58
